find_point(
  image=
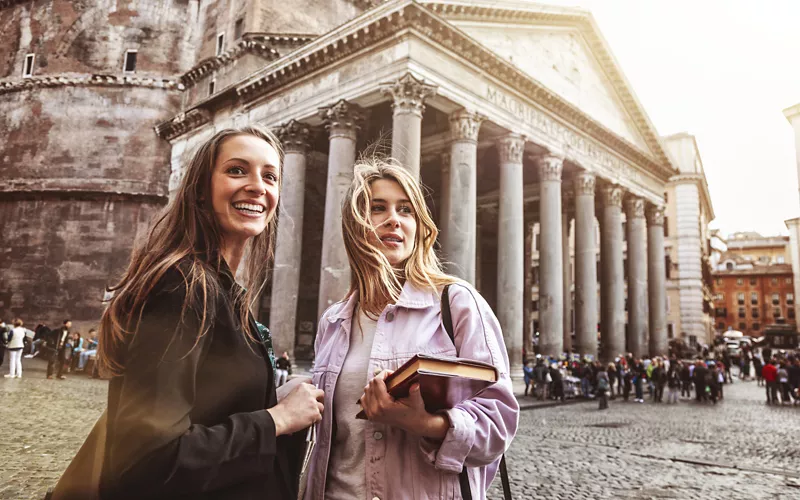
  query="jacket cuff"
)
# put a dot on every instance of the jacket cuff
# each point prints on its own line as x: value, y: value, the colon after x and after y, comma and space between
x: 449, y: 454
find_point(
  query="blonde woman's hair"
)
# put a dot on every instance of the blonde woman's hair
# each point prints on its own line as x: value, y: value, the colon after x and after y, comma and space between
x: 187, y: 233
x: 372, y: 276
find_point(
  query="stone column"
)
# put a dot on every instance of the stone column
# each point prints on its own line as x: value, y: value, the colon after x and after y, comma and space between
x: 566, y: 259
x: 551, y: 279
x: 342, y: 121
x: 585, y: 266
x: 612, y: 277
x: 637, y: 276
x: 527, y: 331
x: 289, y: 241
x: 459, y: 221
x: 510, y: 248
x: 656, y: 283
x: 444, y: 192
x: 409, y: 96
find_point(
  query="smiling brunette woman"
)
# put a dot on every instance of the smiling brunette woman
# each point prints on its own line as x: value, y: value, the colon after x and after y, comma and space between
x: 392, y: 312
x: 192, y: 406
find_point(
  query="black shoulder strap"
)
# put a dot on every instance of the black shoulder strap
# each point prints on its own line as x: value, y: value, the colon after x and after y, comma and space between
x: 463, y: 478
x: 447, y: 319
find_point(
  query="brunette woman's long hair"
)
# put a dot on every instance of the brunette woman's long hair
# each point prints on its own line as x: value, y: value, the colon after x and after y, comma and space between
x: 371, y: 275
x: 186, y: 232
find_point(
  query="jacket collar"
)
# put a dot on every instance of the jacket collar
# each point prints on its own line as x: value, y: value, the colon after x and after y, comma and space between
x: 411, y: 297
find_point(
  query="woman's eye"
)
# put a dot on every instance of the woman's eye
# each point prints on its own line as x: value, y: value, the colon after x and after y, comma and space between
x: 405, y: 209
x: 236, y: 170
x: 271, y: 177
x: 377, y: 208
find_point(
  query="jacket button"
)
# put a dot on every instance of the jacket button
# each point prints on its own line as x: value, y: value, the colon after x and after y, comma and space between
x: 375, y: 498
x: 378, y: 435
x: 389, y: 316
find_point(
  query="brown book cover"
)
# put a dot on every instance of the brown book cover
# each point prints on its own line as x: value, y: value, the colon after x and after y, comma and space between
x: 443, y: 382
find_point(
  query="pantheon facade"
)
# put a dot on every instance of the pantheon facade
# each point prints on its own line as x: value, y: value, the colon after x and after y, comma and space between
x: 512, y: 114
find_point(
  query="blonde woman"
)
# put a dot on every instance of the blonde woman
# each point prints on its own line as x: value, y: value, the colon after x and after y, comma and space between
x: 192, y: 406
x: 392, y: 312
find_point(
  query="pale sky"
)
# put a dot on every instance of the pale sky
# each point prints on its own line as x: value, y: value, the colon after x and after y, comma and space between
x: 722, y: 70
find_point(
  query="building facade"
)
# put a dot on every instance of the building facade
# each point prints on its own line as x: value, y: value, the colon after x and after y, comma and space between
x: 511, y: 113
x: 750, y: 298
x: 792, y: 114
x: 690, y: 311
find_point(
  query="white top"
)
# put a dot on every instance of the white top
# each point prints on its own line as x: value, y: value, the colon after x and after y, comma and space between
x: 347, y: 476
x: 15, y: 340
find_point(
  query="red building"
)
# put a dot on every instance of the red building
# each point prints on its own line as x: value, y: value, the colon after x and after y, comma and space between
x: 750, y: 299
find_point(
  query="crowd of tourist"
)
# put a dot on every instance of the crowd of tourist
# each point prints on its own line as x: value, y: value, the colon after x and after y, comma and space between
x: 65, y: 350
x: 629, y: 378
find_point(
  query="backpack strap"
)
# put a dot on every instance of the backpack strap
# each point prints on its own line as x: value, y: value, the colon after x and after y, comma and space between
x: 463, y: 478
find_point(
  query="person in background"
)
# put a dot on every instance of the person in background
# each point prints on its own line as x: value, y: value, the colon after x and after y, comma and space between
x: 527, y: 372
x: 794, y: 379
x: 40, y: 334
x: 77, y: 349
x: 602, y: 387
x: 758, y: 366
x: 674, y: 381
x: 700, y: 376
x: 57, y: 348
x: 770, y: 374
x: 783, y: 383
x: 91, y: 349
x: 15, y: 344
x: 556, y: 382
x: 4, y: 331
x: 283, y: 368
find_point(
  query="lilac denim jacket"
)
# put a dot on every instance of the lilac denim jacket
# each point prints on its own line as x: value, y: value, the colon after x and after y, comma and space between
x: 400, y: 465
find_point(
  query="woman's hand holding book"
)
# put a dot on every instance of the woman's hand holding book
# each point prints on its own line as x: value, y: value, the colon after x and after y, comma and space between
x: 408, y: 413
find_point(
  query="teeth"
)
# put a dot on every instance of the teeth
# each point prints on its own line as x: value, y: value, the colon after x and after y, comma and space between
x: 249, y: 207
x: 396, y: 240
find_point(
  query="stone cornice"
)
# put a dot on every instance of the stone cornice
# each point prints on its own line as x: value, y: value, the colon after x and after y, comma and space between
x: 77, y: 80
x: 261, y: 44
x: 584, y: 22
x: 182, y: 123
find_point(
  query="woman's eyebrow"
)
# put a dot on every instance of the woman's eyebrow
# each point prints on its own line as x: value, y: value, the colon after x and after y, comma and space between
x: 381, y: 200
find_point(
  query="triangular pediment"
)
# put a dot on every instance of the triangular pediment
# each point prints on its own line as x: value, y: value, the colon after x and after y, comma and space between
x: 560, y: 59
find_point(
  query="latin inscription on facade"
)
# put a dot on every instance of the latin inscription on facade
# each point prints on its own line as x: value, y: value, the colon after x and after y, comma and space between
x: 573, y: 143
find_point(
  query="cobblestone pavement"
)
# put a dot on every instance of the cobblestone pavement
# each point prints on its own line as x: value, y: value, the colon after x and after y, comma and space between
x: 738, y: 449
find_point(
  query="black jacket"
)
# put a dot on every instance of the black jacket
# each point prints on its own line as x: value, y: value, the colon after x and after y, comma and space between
x: 188, y: 418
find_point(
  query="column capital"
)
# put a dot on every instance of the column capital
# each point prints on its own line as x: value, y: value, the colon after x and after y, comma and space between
x: 634, y: 207
x: 294, y: 136
x: 343, y: 119
x: 464, y: 125
x: 585, y: 183
x: 510, y: 147
x: 612, y: 196
x: 408, y: 94
x: 550, y: 167
x: 655, y: 215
